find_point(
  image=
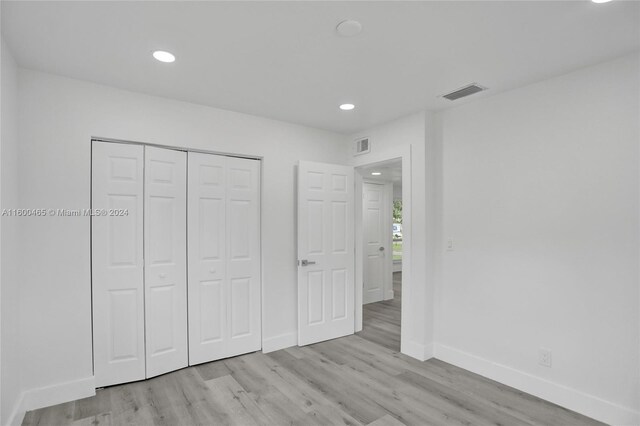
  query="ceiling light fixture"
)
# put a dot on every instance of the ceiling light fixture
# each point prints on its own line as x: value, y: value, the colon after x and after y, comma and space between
x: 601, y: 1
x: 376, y: 173
x: 349, y: 28
x: 163, y: 56
x: 347, y: 107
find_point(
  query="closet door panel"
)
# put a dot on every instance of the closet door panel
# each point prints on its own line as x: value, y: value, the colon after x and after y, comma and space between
x: 117, y: 263
x: 208, y: 291
x: 243, y: 261
x: 165, y: 260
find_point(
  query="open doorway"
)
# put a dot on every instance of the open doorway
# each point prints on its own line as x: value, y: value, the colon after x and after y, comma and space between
x: 381, y: 255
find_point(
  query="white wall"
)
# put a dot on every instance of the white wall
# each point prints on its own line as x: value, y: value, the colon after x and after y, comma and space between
x: 57, y: 118
x: 10, y: 387
x: 541, y: 202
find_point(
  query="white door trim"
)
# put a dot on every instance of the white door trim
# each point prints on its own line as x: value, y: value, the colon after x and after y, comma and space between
x: 175, y: 147
x: 403, y: 153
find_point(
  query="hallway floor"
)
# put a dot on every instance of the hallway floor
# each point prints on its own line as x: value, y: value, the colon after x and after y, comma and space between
x: 381, y: 320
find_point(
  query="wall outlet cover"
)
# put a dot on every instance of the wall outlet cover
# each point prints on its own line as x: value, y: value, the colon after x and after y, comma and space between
x: 544, y: 357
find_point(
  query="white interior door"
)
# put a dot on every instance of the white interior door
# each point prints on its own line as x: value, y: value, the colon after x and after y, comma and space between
x: 165, y: 214
x: 325, y: 252
x: 224, y: 257
x: 243, y: 256
x: 117, y: 263
x: 377, y: 233
x: 207, y: 259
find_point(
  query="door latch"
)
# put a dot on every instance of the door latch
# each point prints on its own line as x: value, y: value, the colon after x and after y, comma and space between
x: 305, y: 262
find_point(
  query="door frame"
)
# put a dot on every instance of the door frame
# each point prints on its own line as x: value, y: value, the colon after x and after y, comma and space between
x: 403, y: 154
x: 387, y: 287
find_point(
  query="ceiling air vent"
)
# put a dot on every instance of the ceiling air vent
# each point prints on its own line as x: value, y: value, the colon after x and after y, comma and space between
x: 464, y: 91
x: 362, y: 146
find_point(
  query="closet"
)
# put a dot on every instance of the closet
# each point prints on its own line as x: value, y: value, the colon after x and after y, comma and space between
x: 175, y: 240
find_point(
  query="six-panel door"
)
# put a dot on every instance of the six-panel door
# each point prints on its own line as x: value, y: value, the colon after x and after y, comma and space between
x: 117, y: 263
x: 165, y: 247
x: 207, y: 257
x: 224, y: 257
x: 326, y: 288
x: 243, y: 256
x: 375, y: 235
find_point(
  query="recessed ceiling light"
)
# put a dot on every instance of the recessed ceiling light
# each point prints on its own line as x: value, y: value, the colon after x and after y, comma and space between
x: 349, y: 28
x: 601, y: 1
x: 347, y: 107
x: 163, y: 56
x: 376, y: 173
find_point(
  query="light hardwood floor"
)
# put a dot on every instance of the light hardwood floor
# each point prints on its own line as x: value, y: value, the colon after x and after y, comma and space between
x: 381, y: 320
x: 354, y: 380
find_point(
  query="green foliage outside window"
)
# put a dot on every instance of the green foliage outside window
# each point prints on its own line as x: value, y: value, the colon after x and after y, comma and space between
x: 397, y: 211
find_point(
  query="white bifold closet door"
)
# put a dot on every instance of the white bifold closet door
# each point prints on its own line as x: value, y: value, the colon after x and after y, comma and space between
x: 118, y: 263
x: 145, y: 323
x: 224, y: 257
x: 138, y: 262
x: 165, y: 254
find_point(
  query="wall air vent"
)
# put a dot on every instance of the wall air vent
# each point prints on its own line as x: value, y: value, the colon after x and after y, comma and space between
x: 362, y: 146
x: 464, y: 91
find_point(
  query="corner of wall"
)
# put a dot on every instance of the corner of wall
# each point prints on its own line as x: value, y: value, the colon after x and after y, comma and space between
x: 9, y: 286
x: 419, y: 351
x: 281, y: 341
x: 50, y: 395
x: 17, y: 415
x: 433, y: 200
x: 33, y: 399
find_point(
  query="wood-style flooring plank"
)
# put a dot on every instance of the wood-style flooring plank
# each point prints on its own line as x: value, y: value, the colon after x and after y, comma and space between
x: 103, y: 419
x: 233, y: 399
x: 387, y: 421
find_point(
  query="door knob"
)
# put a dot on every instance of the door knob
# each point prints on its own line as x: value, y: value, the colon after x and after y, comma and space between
x: 213, y: 271
x: 163, y: 275
x: 381, y: 249
x: 305, y: 262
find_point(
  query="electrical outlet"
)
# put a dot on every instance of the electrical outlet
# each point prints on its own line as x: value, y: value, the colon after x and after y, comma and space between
x: 544, y: 357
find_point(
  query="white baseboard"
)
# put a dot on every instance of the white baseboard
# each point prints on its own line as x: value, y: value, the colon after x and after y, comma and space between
x: 589, y: 405
x: 416, y: 350
x: 57, y: 394
x: 282, y: 341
